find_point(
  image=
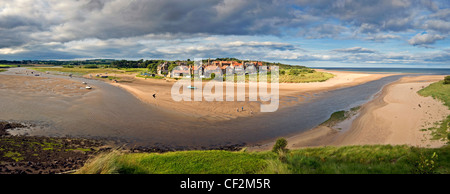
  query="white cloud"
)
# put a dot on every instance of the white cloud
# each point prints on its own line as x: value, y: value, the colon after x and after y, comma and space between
x: 355, y: 50
x: 382, y: 37
x: 425, y: 39
x: 438, y: 25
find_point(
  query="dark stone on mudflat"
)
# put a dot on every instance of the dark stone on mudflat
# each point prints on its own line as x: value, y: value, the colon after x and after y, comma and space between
x: 8, y: 125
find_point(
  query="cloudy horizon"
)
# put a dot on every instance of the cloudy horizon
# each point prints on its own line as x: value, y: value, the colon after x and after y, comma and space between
x: 315, y: 33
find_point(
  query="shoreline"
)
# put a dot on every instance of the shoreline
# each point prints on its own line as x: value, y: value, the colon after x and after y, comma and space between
x: 394, y: 116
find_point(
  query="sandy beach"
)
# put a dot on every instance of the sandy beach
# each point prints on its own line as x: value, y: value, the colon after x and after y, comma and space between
x: 290, y: 94
x: 396, y: 116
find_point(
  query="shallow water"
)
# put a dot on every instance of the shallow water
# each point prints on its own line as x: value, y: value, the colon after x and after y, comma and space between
x: 110, y: 112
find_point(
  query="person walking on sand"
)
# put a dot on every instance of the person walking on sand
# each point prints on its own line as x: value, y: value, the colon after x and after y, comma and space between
x: 237, y: 110
x: 242, y: 108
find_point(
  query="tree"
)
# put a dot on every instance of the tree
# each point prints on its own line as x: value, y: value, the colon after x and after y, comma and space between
x: 172, y: 66
x: 447, y: 80
x: 280, y: 145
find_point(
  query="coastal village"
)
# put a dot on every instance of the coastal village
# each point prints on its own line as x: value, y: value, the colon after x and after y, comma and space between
x: 218, y: 68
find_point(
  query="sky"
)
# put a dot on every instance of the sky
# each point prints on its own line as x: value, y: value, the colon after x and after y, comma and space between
x: 314, y: 33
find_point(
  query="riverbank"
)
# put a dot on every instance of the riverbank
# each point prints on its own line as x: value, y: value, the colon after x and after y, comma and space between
x: 290, y: 94
x: 43, y: 155
x: 398, y: 115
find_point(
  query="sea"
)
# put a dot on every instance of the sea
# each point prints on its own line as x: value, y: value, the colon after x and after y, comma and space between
x: 430, y: 71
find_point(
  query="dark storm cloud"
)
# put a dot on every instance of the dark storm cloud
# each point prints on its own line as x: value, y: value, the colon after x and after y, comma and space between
x: 115, y: 19
x: 105, y: 19
x: 26, y: 23
x: 384, y: 15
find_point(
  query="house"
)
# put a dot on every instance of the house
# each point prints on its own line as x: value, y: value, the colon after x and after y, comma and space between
x: 197, y: 70
x: 239, y: 69
x: 250, y: 68
x: 228, y: 70
x: 210, y: 69
x: 233, y: 67
x: 181, y: 70
x: 163, y: 68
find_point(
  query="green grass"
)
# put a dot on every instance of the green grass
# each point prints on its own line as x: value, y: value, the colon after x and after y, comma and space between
x: 351, y: 159
x: 370, y: 159
x: 132, y: 70
x: 439, y: 91
x: 183, y: 162
x: 306, y: 77
x: 7, y: 66
x: 339, y: 116
x: 336, y: 117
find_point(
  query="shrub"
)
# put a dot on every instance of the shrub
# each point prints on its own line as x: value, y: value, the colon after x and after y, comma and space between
x: 294, y: 72
x: 447, y: 80
x: 280, y: 144
x: 426, y: 165
x: 91, y: 66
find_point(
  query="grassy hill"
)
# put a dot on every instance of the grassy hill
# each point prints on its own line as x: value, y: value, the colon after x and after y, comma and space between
x: 372, y: 159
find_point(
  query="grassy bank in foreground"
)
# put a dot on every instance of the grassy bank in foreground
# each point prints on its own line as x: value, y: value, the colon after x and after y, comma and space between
x: 373, y: 159
x: 440, y: 91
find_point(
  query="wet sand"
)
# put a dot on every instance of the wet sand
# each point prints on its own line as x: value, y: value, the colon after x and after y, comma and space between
x: 42, y: 86
x: 393, y: 117
x: 290, y: 94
